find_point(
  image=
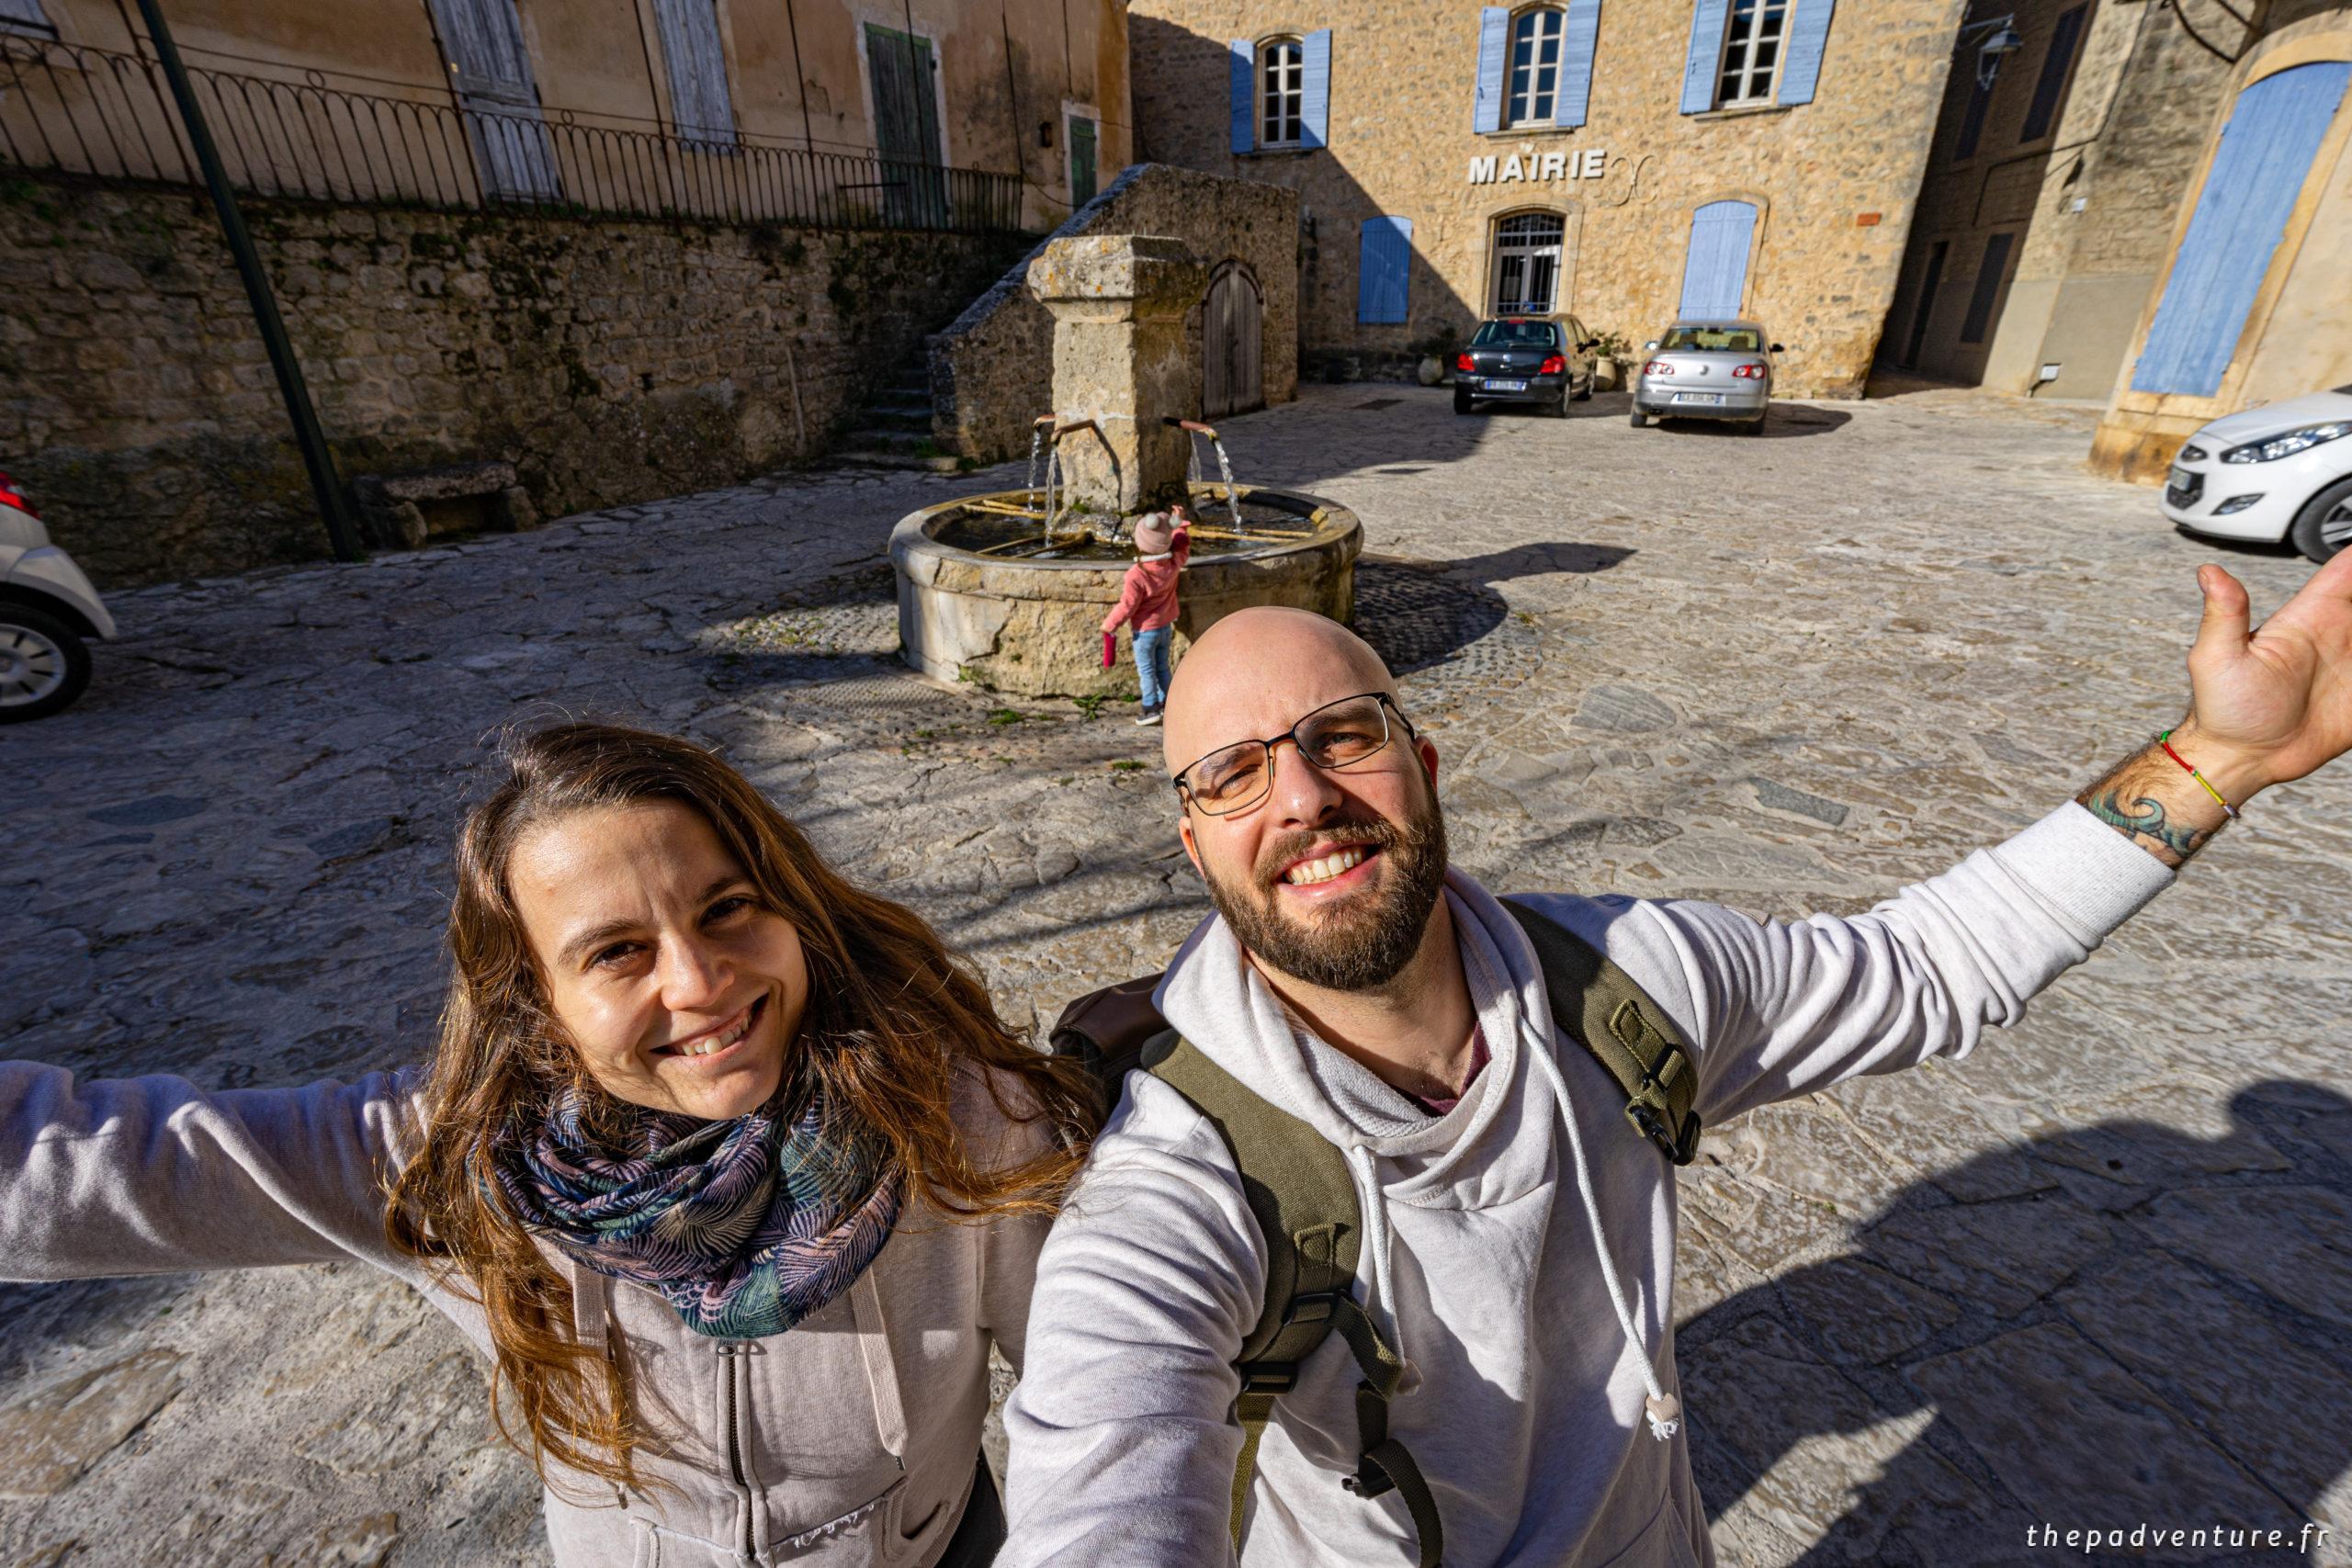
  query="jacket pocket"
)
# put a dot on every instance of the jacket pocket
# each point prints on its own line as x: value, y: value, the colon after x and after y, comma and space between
x: 877, y: 1514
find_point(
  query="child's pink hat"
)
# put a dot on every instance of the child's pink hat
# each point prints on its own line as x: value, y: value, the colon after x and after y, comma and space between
x: 1153, y: 535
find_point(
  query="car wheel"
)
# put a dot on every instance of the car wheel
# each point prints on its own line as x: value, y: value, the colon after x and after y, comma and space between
x: 1754, y: 426
x: 1460, y: 401
x: 1558, y: 407
x: 44, y: 664
x: 1638, y: 419
x: 1585, y: 390
x: 2325, y: 525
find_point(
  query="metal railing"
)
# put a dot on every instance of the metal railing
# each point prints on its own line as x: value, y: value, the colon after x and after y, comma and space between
x: 101, y: 113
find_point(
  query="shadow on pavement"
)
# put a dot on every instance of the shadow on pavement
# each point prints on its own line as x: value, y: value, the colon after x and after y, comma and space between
x: 2119, y: 1325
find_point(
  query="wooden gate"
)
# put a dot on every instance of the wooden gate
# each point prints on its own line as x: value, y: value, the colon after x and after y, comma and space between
x: 1232, y: 318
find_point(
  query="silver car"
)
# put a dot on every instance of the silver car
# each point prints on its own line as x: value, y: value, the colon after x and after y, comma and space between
x: 1706, y: 370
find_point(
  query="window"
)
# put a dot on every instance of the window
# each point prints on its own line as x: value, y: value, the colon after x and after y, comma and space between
x: 1517, y: 334
x: 1972, y: 121
x: 697, y: 62
x: 2051, y: 83
x: 26, y: 16
x: 1527, y: 263
x: 1751, y: 51
x: 1722, y: 340
x: 1281, y: 92
x: 1534, y: 65
x: 1990, y: 274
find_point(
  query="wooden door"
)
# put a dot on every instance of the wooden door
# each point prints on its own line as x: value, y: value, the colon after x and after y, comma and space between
x: 492, y: 72
x: 1714, y: 271
x: 1232, y: 324
x: 2257, y: 176
x: 906, y: 128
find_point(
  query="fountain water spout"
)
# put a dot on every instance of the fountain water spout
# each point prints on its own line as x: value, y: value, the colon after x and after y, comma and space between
x: 1224, y: 466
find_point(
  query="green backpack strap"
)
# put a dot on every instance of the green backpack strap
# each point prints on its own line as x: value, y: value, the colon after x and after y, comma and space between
x: 1299, y: 1189
x: 1597, y: 1005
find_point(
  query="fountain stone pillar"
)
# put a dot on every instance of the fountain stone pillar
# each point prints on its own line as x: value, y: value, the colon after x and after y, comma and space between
x: 1120, y: 361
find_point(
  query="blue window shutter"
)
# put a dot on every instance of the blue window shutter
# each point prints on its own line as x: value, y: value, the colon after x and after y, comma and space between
x: 1708, y: 19
x: 1808, y: 34
x: 1714, y: 273
x: 1383, y: 266
x: 1494, y: 45
x: 2250, y: 192
x: 1315, y: 84
x: 1245, y: 109
x: 1577, y: 36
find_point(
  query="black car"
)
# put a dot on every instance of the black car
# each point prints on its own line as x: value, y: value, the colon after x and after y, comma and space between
x: 1543, y: 360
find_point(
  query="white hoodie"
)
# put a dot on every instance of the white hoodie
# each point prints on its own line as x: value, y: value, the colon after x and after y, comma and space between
x: 1524, y: 1402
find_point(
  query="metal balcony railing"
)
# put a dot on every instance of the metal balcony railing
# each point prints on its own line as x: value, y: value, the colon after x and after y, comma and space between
x: 109, y: 116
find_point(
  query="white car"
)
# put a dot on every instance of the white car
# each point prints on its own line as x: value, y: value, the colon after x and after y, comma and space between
x: 47, y: 608
x: 2281, y: 471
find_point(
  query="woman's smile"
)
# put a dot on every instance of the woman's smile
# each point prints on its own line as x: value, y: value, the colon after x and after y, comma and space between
x: 707, y: 1047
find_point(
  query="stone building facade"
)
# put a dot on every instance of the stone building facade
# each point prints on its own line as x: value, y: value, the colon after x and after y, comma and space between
x: 1727, y: 155
x: 2054, y: 211
x: 992, y: 370
x: 1036, y: 88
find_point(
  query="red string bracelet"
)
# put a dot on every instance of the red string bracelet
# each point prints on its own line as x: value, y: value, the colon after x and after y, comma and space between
x: 2165, y: 740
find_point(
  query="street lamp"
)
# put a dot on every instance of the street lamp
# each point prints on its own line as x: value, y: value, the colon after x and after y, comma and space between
x: 2001, y: 40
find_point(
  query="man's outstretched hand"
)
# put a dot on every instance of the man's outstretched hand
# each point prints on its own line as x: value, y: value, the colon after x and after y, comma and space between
x: 2265, y: 706
x: 2274, y: 703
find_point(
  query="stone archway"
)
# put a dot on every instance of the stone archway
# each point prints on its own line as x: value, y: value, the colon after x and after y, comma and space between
x: 1232, y: 323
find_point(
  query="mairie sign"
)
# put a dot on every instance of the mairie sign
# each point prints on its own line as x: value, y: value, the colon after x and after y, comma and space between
x: 1584, y: 163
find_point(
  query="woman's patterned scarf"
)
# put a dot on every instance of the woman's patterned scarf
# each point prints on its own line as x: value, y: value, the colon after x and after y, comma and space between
x: 744, y: 1226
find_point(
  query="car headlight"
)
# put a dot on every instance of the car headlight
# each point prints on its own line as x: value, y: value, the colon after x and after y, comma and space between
x: 2287, y: 443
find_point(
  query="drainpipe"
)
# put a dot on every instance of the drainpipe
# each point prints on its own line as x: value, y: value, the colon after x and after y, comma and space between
x: 320, y: 462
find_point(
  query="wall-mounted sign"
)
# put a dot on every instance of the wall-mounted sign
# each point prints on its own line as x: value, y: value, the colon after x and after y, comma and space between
x: 1585, y: 164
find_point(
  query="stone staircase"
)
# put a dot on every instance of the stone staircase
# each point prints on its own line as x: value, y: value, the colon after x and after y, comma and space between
x: 894, y: 429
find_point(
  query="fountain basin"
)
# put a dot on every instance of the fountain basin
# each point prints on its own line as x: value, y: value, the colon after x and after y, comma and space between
x: 1032, y: 627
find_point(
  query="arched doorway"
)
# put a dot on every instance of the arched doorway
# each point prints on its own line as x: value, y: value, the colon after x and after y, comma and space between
x: 1231, y: 318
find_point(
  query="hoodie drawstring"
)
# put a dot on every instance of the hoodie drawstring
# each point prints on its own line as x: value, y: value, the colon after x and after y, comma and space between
x: 1664, y: 1410
x: 1375, y: 1203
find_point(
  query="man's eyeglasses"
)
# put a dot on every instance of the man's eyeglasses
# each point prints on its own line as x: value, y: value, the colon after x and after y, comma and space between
x: 1335, y: 736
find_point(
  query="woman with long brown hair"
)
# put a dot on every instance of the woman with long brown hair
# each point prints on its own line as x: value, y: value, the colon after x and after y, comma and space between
x: 730, y: 1166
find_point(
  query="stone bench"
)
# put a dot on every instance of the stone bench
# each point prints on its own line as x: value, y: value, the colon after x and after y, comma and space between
x: 459, y: 497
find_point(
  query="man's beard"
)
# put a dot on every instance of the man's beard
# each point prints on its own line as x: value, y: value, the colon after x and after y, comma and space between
x: 1361, y: 948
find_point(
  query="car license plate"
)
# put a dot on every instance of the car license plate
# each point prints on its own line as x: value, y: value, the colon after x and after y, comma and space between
x: 1713, y: 400
x: 1495, y: 386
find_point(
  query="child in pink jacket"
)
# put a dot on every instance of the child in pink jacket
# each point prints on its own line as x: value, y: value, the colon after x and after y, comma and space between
x: 1148, y: 599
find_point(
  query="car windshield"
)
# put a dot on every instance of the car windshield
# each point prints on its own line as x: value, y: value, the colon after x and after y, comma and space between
x: 1517, y: 333
x: 1734, y: 340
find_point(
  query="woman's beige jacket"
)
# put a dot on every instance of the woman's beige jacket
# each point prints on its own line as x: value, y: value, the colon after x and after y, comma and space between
x: 849, y: 1440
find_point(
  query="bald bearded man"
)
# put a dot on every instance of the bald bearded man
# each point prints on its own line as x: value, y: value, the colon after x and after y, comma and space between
x: 1517, y: 1233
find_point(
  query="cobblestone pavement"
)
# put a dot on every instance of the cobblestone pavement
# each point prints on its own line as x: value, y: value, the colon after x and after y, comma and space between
x: 2098, y: 1275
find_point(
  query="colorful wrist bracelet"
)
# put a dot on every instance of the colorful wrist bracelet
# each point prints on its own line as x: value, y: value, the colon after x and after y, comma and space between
x: 2165, y: 740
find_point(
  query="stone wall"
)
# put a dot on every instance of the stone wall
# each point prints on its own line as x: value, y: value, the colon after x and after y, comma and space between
x: 992, y: 371
x: 610, y: 361
x: 1834, y: 180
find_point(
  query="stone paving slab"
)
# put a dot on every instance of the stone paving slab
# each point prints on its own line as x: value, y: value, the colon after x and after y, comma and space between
x: 2095, y: 1272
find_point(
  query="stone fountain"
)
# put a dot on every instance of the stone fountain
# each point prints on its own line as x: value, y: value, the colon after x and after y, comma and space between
x: 1009, y: 589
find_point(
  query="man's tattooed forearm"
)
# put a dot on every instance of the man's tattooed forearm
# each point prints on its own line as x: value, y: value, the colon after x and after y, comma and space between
x: 2143, y: 817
